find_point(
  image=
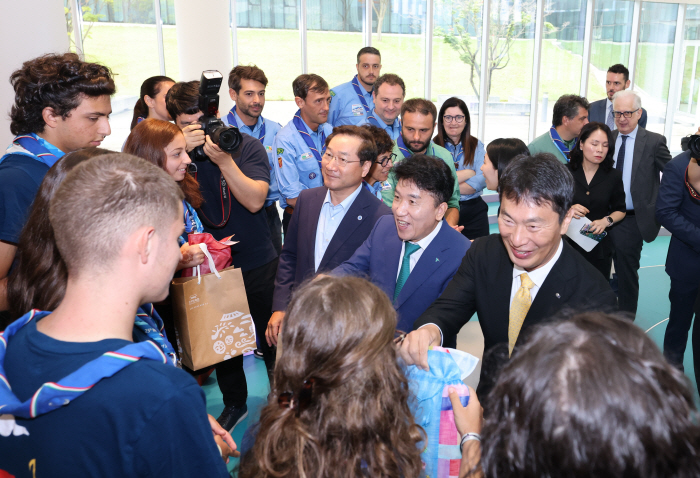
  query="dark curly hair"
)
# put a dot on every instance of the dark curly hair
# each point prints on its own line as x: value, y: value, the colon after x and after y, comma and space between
x: 428, y: 173
x: 339, y: 331
x: 591, y: 395
x: 59, y: 82
x: 39, y: 279
x: 576, y: 154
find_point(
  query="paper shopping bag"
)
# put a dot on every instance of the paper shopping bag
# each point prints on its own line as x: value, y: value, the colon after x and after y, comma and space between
x: 212, y: 317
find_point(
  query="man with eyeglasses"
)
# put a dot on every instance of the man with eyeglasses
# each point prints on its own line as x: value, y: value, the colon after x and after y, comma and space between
x: 330, y: 222
x: 641, y: 156
x: 617, y: 79
x: 412, y: 256
x: 418, y: 118
x: 569, y: 115
x: 388, y: 93
x: 352, y: 101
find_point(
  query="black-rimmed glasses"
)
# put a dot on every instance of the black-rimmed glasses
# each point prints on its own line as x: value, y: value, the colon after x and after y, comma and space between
x: 450, y: 119
x: 626, y: 114
x: 385, y: 161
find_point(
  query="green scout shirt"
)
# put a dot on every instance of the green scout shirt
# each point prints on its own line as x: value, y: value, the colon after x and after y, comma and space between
x: 432, y: 150
x: 544, y: 144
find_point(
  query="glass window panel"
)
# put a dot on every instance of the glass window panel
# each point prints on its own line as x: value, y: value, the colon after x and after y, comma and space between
x: 456, y: 68
x: 512, y: 40
x: 112, y: 32
x: 268, y: 36
x: 562, y: 50
x: 398, y: 32
x: 657, y: 32
x: 685, y: 118
x: 172, y: 60
x: 334, y: 37
x: 612, y: 30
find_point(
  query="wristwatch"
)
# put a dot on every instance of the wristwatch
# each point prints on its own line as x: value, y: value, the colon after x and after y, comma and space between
x: 610, y: 221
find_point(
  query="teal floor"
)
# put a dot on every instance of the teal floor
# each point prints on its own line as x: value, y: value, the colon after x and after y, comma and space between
x: 652, y: 317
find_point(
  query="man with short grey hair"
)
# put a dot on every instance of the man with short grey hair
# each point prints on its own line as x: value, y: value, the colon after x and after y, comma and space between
x: 641, y: 156
x: 570, y: 114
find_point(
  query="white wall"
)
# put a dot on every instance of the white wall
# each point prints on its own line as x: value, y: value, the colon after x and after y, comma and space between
x: 204, y: 42
x: 31, y: 28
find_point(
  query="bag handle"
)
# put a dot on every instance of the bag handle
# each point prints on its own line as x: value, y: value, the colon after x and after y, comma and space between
x: 212, y: 266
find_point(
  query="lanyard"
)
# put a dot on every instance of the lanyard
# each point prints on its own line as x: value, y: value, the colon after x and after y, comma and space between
x: 299, y: 123
x: 356, y: 86
x: 53, y: 395
x: 232, y: 121
x: 560, y: 142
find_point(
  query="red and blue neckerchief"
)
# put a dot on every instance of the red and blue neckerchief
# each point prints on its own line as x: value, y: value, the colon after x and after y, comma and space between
x: 53, y: 395
x: 560, y: 143
x: 35, y: 147
x: 150, y: 324
x: 301, y: 128
x: 232, y: 121
x: 356, y: 86
x: 457, y: 153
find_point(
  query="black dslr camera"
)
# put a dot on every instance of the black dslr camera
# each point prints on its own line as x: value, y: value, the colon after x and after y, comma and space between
x: 692, y: 143
x: 228, y: 138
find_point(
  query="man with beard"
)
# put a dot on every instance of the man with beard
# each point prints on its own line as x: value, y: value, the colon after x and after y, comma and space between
x: 247, y: 88
x: 418, y: 118
x: 352, y: 102
x: 617, y: 79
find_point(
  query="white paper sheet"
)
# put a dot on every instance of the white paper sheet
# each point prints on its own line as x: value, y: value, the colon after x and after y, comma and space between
x: 586, y: 243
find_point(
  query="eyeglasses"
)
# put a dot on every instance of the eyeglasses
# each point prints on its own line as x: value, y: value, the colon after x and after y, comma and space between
x: 385, y: 161
x: 449, y: 119
x: 626, y: 114
x: 341, y: 161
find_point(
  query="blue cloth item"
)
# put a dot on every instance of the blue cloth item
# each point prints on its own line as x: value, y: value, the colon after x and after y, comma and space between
x: 149, y: 326
x: 477, y: 181
x: 376, y: 188
x: 265, y: 131
x: 427, y: 387
x: 192, y: 223
x: 297, y: 167
x: 393, y: 129
x: 328, y: 221
x: 347, y: 106
x: 52, y: 395
x: 148, y: 419
x: 407, y: 153
x: 317, y: 144
x: 559, y: 143
x: 624, y: 157
x: 35, y: 147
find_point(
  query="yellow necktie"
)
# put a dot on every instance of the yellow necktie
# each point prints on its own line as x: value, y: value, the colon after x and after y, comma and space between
x: 518, y: 310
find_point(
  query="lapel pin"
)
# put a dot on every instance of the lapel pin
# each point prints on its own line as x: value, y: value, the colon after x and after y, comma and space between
x: 557, y: 295
x: 437, y: 260
x: 359, y: 218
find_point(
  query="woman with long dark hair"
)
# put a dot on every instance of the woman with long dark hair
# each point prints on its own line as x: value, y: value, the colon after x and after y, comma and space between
x: 454, y: 134
x: 151, y: 102
x: 339, y: 407
x: 599, y: 193
x: 499, y: 153
x: 163, y: 144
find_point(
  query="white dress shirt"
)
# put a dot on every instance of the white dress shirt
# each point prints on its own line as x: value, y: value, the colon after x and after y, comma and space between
x: 537, y: 276
x: 423, y: 243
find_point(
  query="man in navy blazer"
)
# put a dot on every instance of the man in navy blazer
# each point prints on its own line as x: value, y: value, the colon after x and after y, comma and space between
x: 617, y: 79
x: 424, y: 185
x: 679, y: 213
x: 329, y: 223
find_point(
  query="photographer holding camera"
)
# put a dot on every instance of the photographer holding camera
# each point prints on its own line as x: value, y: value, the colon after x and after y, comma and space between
x: 234, y: 178
x: 678, y: 210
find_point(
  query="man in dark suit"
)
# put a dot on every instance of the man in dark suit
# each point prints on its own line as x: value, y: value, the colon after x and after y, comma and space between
x: 329, y: 223
x: 641, y: 156
x: 617, y: 79
x: 412, y: 255
x: 679, y: 212
x: 518, y: 279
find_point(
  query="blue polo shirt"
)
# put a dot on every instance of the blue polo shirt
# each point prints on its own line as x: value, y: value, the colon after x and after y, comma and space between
x: 271, y: 130
x: 393, y: 129
x: 477, y: 182
x: 297, y: 167
x: 346, y: 106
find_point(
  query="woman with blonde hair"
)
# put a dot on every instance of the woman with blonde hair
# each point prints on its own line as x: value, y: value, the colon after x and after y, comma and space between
x: 340, y: 404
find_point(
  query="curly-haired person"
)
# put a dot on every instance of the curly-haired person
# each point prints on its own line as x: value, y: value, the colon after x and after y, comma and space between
x: 62, y: 104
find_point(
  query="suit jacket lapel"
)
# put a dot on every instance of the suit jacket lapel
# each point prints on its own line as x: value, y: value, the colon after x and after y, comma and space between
x: 313, y: 212
x: 430, y: 261
x: 347, y: 226
x: 503, y: 283
x: 639, y: 143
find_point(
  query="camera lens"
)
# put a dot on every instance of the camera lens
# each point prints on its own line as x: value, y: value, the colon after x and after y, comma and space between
x: 228, y: 139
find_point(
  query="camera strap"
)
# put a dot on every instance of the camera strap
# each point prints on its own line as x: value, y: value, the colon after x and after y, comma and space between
x: 225, y: 206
